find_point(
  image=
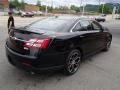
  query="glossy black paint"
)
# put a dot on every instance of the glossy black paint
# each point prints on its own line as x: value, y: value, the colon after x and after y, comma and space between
x: 61, y: 43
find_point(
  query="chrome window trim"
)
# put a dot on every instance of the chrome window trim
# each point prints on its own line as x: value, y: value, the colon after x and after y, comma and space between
x: 71, y: 30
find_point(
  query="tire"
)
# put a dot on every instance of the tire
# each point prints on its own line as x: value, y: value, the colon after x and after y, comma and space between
x: 103, y: 20
x: 108, y: 44
x: 72, y: 62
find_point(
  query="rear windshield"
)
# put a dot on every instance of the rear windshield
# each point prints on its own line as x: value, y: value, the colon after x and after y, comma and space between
x: 50, y: 25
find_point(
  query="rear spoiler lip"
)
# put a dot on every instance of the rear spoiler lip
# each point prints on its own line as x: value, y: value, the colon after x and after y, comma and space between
x: 23, y: 29
x: 15, y: 38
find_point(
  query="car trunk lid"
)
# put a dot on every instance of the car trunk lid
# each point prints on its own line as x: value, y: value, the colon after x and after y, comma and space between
x: 18, y: 39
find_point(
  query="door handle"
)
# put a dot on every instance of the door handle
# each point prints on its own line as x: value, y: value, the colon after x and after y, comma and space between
x: 82, y: 36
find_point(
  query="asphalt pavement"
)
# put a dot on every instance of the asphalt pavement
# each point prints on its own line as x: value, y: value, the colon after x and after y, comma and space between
x: 99, y: 72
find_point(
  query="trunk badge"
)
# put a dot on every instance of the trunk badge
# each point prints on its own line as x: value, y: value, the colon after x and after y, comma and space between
x: 26, y: 48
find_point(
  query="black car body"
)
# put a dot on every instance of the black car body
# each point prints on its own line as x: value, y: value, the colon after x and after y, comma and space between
x: 51, y: 43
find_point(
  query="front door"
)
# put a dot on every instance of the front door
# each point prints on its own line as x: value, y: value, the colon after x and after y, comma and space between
x: 87, y: 37
x: 98, y: 34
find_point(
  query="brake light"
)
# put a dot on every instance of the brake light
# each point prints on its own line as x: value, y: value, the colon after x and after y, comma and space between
x: 37, y: 43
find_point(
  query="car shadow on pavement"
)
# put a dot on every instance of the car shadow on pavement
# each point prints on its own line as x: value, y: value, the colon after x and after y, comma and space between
x: 20, y: 77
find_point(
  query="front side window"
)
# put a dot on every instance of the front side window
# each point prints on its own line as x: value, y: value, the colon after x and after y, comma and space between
x: 96, y: 26
x: 86, y: 24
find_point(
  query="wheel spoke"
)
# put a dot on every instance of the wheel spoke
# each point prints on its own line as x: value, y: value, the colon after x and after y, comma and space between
x: 77, y: 59
x: 77, y: 62
x: 71, y: 68
x: 70, y: 61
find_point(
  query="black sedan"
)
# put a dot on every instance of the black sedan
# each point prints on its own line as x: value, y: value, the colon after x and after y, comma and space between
x: 56, y: 43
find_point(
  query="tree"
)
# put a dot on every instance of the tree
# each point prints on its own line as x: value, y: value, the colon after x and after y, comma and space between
x: 118, y: 9
x: 90, y: 8
x: 43, y: 8
x: 106, y: 10
x: 22, y: 4
x: 39, y: 4
x: 50, y: 9
x: 15, y: 3
x: 75, y: 8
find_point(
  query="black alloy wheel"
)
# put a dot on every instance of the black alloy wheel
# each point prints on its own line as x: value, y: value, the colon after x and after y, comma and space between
x: 73, y: 62
x: 108, y: 44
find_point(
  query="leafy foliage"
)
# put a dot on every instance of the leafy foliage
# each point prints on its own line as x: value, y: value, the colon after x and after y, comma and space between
x: 16, y: 4
x: 39, y: 4
x: 107, y: 9
x: 90, y: 7
x: 75, y: 8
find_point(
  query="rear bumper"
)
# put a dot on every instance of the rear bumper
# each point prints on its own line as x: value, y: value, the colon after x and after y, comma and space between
x: 28, y: 63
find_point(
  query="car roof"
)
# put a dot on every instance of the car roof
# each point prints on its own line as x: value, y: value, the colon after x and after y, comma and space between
x: 71, y: 21
x: 69, y: 18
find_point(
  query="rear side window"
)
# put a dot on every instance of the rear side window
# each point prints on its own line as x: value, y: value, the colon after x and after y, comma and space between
x: 50, y: 24
x: 77, y: 27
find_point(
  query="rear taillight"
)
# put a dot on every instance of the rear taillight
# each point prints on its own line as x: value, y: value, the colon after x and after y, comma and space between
x: 37, y: 43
